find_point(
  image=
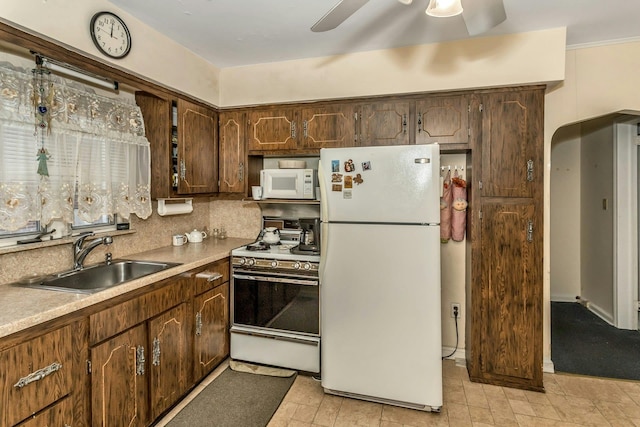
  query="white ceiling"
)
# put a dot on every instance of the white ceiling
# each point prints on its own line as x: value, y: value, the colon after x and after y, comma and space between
x: 230, y: 33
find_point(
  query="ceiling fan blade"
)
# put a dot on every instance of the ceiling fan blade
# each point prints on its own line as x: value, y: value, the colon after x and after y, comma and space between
x: 482, y: 15
x: 337, y: 15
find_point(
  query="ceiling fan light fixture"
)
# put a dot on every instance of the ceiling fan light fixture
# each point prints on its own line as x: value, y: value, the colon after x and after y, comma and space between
x: 444, y: 8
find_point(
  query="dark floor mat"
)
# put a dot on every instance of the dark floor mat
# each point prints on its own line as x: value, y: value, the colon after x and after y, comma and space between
x: 583, y: 343
x: 235, y: 399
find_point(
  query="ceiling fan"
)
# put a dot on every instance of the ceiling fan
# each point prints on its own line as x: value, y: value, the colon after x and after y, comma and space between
x: 479, y: 15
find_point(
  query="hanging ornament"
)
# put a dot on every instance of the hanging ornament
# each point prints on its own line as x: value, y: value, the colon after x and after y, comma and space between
x: 43, y: 95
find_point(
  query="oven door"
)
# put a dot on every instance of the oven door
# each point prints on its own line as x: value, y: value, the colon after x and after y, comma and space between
x: 287, y: 304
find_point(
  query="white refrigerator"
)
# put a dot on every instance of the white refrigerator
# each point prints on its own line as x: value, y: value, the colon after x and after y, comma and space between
x: 380, y: 274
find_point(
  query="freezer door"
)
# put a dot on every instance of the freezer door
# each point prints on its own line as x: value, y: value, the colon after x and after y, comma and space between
x: 381, y: 312
x: 397, y: 184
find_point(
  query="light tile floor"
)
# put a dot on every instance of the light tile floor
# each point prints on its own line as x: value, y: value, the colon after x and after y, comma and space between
x: 570, y: 400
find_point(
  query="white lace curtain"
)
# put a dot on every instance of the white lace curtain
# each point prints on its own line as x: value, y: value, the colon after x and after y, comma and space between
x: 95, y: 146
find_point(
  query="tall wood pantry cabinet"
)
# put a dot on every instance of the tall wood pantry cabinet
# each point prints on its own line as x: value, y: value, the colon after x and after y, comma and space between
x: 504, y: 290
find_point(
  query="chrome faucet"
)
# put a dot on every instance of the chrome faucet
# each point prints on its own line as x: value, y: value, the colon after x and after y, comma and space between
x: 80, y: 253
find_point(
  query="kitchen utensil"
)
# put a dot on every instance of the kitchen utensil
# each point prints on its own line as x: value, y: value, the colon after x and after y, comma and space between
x: 195, y: 236
x: 256, y: 192
x: 178, y: 239
x: 271, y: 235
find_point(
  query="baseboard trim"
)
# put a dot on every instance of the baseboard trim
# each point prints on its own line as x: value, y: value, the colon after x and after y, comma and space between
x: 548, y: 367
x: 459, y: 356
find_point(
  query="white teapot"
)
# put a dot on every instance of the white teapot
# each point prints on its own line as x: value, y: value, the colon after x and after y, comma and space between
x: 195, y: 236
x: 271, y: 235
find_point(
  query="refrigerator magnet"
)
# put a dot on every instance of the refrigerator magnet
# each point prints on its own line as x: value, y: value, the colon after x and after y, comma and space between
x: 348, y: 181
x: 349, y: 166
x: 346, y: 194
x: 335, y: 165
x: 336, y: 177
x: 358, y: 179
x: 366, y: 166
x: 336, y: 187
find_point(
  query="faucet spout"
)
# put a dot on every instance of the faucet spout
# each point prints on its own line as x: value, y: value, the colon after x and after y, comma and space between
x: 80, y: 252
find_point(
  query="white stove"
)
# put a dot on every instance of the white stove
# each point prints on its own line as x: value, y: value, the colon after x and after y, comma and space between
x: 275, y: 305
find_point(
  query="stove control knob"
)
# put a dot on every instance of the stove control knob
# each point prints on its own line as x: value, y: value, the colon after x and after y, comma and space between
x: 296, y: 265
x: 307, y: 266
x: 274, y: 263
x: 251, y: 261
x: 242, y: 261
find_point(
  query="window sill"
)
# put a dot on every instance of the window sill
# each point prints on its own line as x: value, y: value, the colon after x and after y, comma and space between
x: 57, y: 242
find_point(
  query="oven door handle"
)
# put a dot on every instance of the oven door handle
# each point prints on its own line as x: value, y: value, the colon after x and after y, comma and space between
x: 276, y: 337
x: 278, y: 280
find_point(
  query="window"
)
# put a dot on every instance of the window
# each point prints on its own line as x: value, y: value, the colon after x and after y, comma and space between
x: 87, y: 162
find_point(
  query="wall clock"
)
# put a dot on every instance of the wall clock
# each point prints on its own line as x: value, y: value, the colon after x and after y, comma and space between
x: 110, y: 35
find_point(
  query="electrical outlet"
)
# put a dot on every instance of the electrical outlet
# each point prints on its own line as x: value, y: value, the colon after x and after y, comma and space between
x: 455, y: 310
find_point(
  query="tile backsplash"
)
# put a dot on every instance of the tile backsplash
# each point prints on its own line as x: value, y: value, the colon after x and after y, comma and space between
x: 239, y: 218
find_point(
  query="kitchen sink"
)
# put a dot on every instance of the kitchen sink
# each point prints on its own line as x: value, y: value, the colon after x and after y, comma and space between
x: 97, y: 277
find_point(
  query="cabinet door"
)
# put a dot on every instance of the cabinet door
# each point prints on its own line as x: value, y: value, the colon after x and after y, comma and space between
x: 157, y: 123
x: 169, y: 352
x: 273, y: 129
x: 119, y: 380
x: 442, y: 119
x: 511, y: 319
x: 34, y: 375
x: 385, y: 123
x: 60, y: 414
x: 197, y: 149
x: 328, y: 126
x: 512, y: 132
x: 232, y: 129
x: 211, y: 344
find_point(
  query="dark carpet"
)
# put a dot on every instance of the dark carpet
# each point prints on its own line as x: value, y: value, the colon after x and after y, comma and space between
x: 582, y: 343
x: 235, y: 399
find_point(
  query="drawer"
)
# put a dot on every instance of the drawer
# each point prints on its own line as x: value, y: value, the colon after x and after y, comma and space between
x: 36, y: 374
x: 60, y: 414
x: 211, y: 275
x: 114, y: 320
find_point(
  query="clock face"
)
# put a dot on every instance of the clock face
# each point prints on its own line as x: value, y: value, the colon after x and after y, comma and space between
x: 110, y: 35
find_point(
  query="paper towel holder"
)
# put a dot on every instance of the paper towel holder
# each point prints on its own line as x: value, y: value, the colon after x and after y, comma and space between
x: 175, y: 206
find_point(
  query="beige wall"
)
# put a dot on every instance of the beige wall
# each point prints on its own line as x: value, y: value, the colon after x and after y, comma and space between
x: 516, y: 59
x: 152, y: 55
x: 565, y: 214
x: 596, y: 220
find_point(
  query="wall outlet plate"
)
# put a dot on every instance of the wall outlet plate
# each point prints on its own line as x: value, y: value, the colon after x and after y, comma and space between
x: 455, y: 308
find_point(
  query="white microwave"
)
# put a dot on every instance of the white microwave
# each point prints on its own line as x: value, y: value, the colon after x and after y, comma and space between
x: 288, y: 183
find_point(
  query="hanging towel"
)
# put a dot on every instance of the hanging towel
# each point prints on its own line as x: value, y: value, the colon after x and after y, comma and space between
x: 459, y: 208
x: 445, y: 209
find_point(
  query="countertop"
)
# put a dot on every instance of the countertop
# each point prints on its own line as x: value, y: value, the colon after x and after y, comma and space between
x: 22, y: 308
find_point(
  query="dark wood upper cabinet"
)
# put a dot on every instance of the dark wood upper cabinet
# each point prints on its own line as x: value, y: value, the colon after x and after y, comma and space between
x: 328, y: 126
x: 273, y: 129
x: 385, y: 123
x: 232, y: 128
x: 442, y: 119
x: 512, y: 129
x: 198, y: 149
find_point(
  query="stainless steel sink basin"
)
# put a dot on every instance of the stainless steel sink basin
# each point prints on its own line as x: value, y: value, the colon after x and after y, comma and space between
x: 98, y: 277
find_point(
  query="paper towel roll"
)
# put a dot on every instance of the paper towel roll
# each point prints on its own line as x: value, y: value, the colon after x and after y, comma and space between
x: 174, y: 207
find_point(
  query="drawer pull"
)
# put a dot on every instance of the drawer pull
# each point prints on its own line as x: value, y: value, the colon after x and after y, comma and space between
x: 38, y: 375
x: 211, y: 277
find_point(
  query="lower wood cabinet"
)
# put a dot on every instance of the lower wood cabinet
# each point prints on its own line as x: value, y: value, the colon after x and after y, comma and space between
x: 211, y: 315
x: 34, y: 375
x: 119, y: 383
x: 124, y: 363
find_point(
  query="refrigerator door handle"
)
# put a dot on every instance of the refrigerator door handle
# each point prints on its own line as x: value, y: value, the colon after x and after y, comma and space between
x: 422, y: 160
x: 324, y: 214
